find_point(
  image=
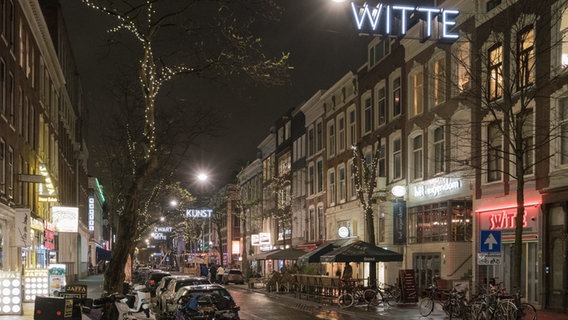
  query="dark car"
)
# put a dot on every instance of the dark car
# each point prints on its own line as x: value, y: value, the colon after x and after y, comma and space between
x: 212, y: 302
x: 167, y: 302
x: 153, y: 280
x: 234, y: 276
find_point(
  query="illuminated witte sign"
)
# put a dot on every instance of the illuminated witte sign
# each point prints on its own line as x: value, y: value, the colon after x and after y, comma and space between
x: 198, y: 213
x: 91, y: 211
x: 380, y: 19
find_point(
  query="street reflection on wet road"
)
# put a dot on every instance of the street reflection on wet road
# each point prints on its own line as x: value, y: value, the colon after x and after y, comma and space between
x: 260, y: 306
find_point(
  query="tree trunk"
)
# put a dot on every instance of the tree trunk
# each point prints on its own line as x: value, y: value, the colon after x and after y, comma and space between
x: 519, y: 219
x: 370, y: 222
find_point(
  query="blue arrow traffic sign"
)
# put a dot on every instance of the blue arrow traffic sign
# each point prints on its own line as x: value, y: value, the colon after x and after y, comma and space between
x: 490, y: 241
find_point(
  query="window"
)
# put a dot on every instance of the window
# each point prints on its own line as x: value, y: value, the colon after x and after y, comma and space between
x: 342, y: 184
x: 526, y: 58
x: 321, y: 223
x: 494, y: 149
x: 418, y: 93
x: 331, y: 188
x: 495, y: 71
x: 10, y: 173
x: 381, y: 163
x: 331, y: 138
x: 367, y: 116
x: 563, y: 119
x: 439, y: 81
x: 10, y: 98
x: 379, y: 51
x: 311, y: 146
x: 320, y: 175
x: 396, y: 103
x: 528, y: 144
x: 564, y: 39
x: 382, y: 105
x: 312, y: 224
x: 445, y: 221
x: 319, y: 136
x: 417, y: 154
x: 397, y: 159
x: 462, y: 59
x: 439, y: 150
x: 341, y: 133
x: 3, y: 80
x: 352, y: 190
x: 352, y: 128
x: 2, y: 166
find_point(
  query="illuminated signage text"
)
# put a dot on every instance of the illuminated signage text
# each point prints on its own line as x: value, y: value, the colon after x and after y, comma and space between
x: 198, y: 213
x: 393, y: 20
x: 91, y: 214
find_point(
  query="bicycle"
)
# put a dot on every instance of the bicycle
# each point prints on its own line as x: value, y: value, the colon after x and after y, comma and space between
x: 526, y: 311
x: 496, y: 305
x: 387, y: 294
x: 427, y: 303
x: 357, y: 294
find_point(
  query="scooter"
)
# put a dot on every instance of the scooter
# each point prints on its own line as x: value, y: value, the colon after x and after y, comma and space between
x: 121, y: 308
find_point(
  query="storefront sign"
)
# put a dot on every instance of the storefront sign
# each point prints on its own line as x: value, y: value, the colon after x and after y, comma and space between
x: 264, y: 238
x: 435, y: 188
x: 91, y: 212
x: 254, y: 240
x: 65, y: 219
x: 22, y: 222
x: 163, y: 229
x: 198, y: 213
x: 11, y: 288
x: 394, y: 20
x: 35, y: 284
x: 399, y: 222
x: 343, y: 232
x: 505, y: 218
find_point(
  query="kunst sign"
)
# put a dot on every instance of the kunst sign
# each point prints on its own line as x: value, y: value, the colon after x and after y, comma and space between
x: 395, y: 20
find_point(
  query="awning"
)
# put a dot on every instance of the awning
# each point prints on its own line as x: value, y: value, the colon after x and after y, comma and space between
x: 314, y: 256
x: 361, y: 251
x: 262, y: 255
x: 287, y: 254
x: 103, y: 254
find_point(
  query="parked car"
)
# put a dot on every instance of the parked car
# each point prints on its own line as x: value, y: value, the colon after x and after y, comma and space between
x: 213, y: 302
x: 234, y: 276
x: 167, y: 302
x: 153, y: 280
x: 161, y: 287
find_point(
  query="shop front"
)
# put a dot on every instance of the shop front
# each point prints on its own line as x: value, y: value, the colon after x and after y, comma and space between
x: 439, y: 232
x: 501, y: 219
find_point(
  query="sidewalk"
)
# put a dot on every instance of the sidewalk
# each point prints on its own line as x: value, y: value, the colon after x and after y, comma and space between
x: 402, y: 311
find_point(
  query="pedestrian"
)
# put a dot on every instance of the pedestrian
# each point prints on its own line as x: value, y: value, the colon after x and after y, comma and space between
x: 347, y: 272
x: 204, y: 271
x: 213, y: 273
x: 220, y: 272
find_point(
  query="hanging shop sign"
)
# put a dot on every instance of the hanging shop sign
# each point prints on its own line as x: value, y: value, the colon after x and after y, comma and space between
x: 23, y: 225
x: 264, y: 238
x: 91, y: 213
x: 46, y: 192
x: 65, y: 219
x: 254, y: 240
x: 49, y: 235
x: 395, y: 20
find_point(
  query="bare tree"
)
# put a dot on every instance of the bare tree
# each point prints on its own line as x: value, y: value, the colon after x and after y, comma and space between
x: 365, y: 177
x: 505, y: 79
x: 221, y: 43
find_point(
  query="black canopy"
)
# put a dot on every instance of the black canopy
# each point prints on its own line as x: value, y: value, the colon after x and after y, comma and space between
x: 315, y: 255
x: 361, y: 251
x: 103, y: 254
x: 287, y: 254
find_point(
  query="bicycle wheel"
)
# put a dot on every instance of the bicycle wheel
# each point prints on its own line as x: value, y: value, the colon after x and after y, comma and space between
x: 346, y: 300
x: 372, y: 297
x: 395, y: 295
x: 527, y: 311
x: 475, y: 309
x: 506, y: 310
x: 426, y: 306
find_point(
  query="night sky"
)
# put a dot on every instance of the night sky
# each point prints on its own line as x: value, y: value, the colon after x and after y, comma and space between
x: 318, y: 34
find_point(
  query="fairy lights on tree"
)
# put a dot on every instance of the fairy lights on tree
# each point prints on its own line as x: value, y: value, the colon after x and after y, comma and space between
x: 365, y: 176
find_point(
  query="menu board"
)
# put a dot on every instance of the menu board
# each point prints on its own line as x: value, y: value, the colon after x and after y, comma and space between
x: 408, y: 285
